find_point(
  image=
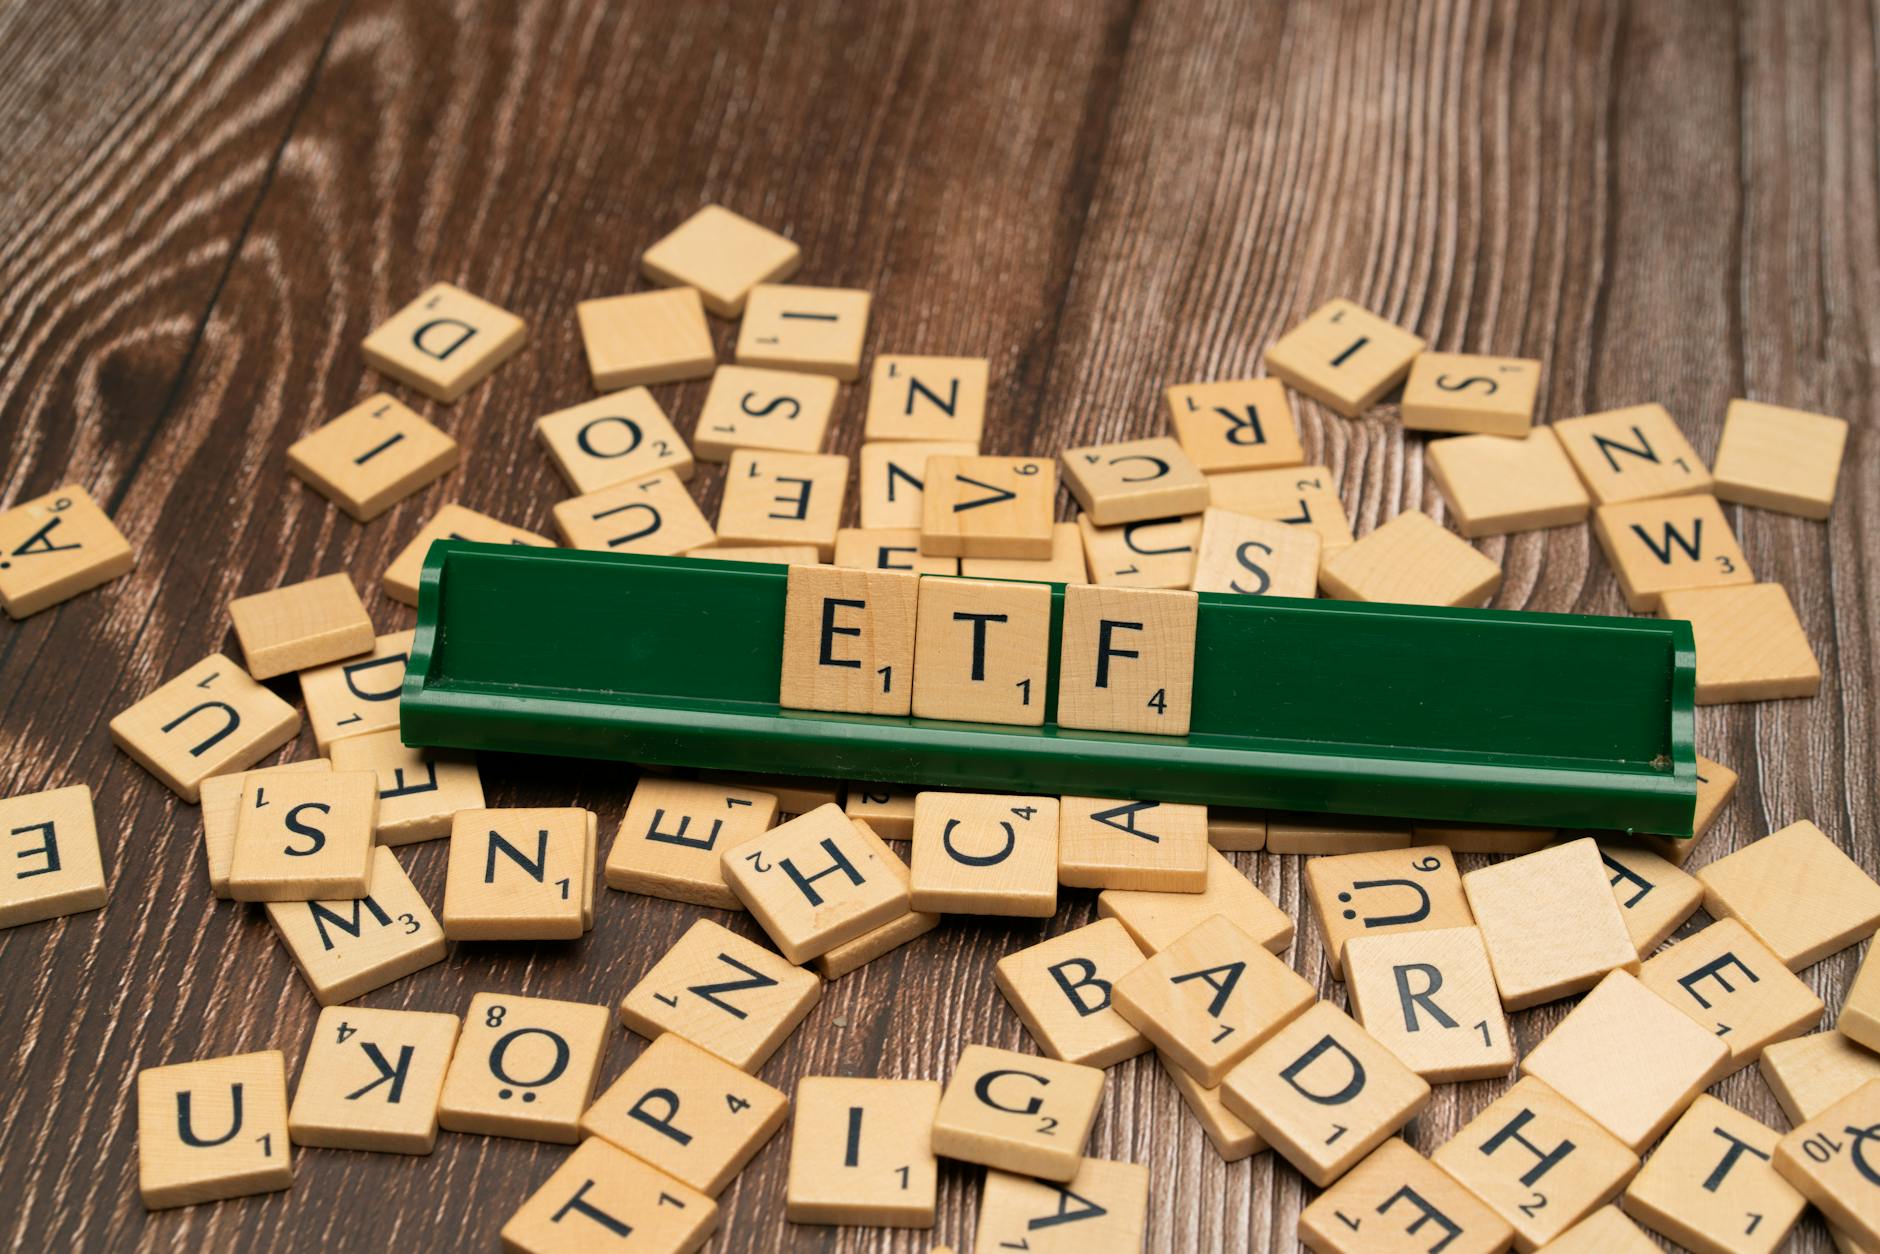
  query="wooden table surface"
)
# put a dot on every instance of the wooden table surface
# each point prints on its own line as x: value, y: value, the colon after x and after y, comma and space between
x: 207, y: 203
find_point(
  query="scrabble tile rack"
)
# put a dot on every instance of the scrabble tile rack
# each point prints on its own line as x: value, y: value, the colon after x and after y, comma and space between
x: 1464, y: 715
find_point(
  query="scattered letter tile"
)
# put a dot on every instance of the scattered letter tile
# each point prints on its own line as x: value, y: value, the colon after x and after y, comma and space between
x: 1750, y: 644
x: 1729, y: 983
x: 347, y: 947
x: 1632, y: 454
x: 1780, y: 459
x: 859, y: 1153
x: 782, y: 410
x: 1831, y: 1161
x: 927, y: 398
x: 1465, y: 392
x: 674, y: 834
x: 1065, y: 565
x: 1236, y: 424
x: 979, y: 853
x: 816, y: 881
x: 360, y: 695
x: 1551, y: 923
x: 453, y: 522
x: 1711, y: 1184
x: 648, y: 337
x: 1669, y: 543
x: 525, y: 1067
x: 597, y: 1194
x: 1157, y: 553
x: 1398, y: 1202
x: 1811, y: 1073
x: 1300, y: 496
x: 1152, y: 845
x: 372, y: 456
x: 1103, y: 1209
x: 1014, y: 1112
x: 49, y: 859
x: 1655, y: 897
x: 1796, y: 892
x: 1255, y: 557
x: 1062, y: 987
x: 305, y: 836
x: 889, y: 548
x: 1154, y: 920
x: 444, y: 343
x: 1430, y: 997
x: 893, y: 476
x: 783, y: 498
x: 213, y: 1129
x: 210, y: 720
x: 372, y: 1080
x: 818, y: 330
x: 520, y: 874
x: 1411, y: 560
x: 989, y: 507
x: 722, y: 254
x: 419, y: 789
x: 55, y: 547
x: 724, y: 993
x: 613, y: 439
x: 301, y: 625
x: 1134, y: 480
x: 1383, y: 891
x: 221, y: 813
x: 1344, y: 356
x: 1495, y: 485
x: 651, y: 515
x: 1232, y: 1139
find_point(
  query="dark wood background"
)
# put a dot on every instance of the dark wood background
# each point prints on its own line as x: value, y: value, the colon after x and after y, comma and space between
x: 205, y: 204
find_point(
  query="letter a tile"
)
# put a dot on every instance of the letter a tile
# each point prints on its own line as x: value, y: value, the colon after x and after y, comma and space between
x: 599, y: 1197
x: 724, y: 993
x: 1103, y: 1209
x: 213, y: 1129
x: 55, y: 547
x: 210, y: 720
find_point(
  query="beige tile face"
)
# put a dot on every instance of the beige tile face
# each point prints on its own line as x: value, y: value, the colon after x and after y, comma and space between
x: 886, y: 808
x: 989, y: 507
x: 1344, y: 356
x: 49, y: 859
x: 1016, y: 1112
x: 1397, y: 1202
x: 1715, y: 785
x: 1860, y: 1010
x: 1065, y: 565
x: 358, y: 695
x: 858, y: 1154
x: 1232, y: 1139
x: 1465, y: 392
x: 1430, y: 997
x: 927, y: 398
x: 372, y: 1080
x: 1062, y: 990
x: 1669, y: 543
x: 1235, y: 424
x: 1104, y: 1208
x: 1324, y: 1092
x: 1301, y: 496
x: 848, y: 640
x: 1207, y: 1000
x: 56, y: 546
x: 1605, y: 1231
x: 652, y: 515
x: 1537, y: 1161
x: 221, y: 812
x: 795, y: 794
x: 613, y: 439
x: 1232, y: 829
x: 419, y: 789
x: 815, y: 882
x: 1830, y: 1161
x: 453, y: 522
x: 674, y: 835
x: 783, y: 498
x: 722, y: 254
x: 1654, y: 896
x: 305, y: 836
x: 1134, y: 480
x: 723, y: 993
x: 1411, y: 560
x: 1128, y: 660
x: 817, y: 330
x: 1711, y: 1183
x: 347, y: 947
x: 980, y: 853
x: 783, y: 410
x: 1551, y: 923
x: 982, y: 651
x: 893, y: 474
x: 648, y: 337
x: 1731, y: 985
x: 1632, y: 454
x: 839, y: 960
x: 597, y: 1192
x: 697, y: 1116
x: 444, y: 343
x: 1495, y: 485
x: 1750, y: 644
x: 1811, y: 1073
x: 212, y: 1129
x: 1796, y: 892
x: 1155, y: 846
x: 525, y: 1067
x: 1780, y: 459
x: 889, y: 548
x: 520, y: 874
x: 301, y: 625
x: 372, y: 456
x: 1154, y: 920
x: 1255, y: 557
x: 1160, y: 553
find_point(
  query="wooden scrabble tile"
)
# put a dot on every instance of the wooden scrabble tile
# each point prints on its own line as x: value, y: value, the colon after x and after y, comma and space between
x: 301, y: 625
x: 848, y: 640
x: 1255, y: 556
x: 1715, y: 784
x: 419, y: 789
x: 1344, y: 356
x: 989, y: 507
x: 1103, y: 1209
x: 49, y: 855
x: 1495, y: 486
x: 723, y: 993
x: 1411, y: 560
x: 795, y: 794
x: 722, y: 254
x: 1235, y: 424
x: 783, y: 498
x: 982, y: 651
x: 210, y: 720
x: 671, y: 842
x: 599, y: 1193
x: 1811, y: 1073
x: 651, y: 515
x: 774, y: 554
x: 1320, y: 834
x: 1399, y: 1202
x: 1065, y: 565
x: 613, y: 439
x: 1860, y: 1012
x: 1628, y: 1058
x: 1210, y: 997
x: 817, y: 330
x: 1128, y: 659
x: 981, y: 853
x: 1015, y: 1112
x: 213, y: 1129
x: 1655, y: 898
x: 1605, y: 1231
x: 927, y: 398
x: 1711, y: 1185
x: 839, y: 960
x: 1134, y: 481
x: 1154, y: 920
x: 346, y: 947
x: 1796, y: 892
x: 1632, y: 454
x: 697, y: 1116
x: 1430, y: 997
x: 1160, y: 553
x: 858, y: 1153
x: 1482, y: 838
x: 56, y: 546
x: 1729, y: 983
x: 372, y: 1080
x: 520, y: 874
x: 1750, y: 644
x: 1466, y: 392
x: 889, y: 548
x: 305, y: 836
x: 815, y: 882
x: 783, y: 410
x: 1780, y: 459
x: 360, y: 695
x: 1302, y: 496
x: 372, y: 456
x: 648, y: 337
x: 1235, y: 830
x: 1232, y: 1139
x: 444, y: 343
x: 453, y: 522
x: 1061, y: 989
x: 1551, y: 923
x: 525, y: 1067
x: 1151, y: 845
x: 1829, y: 1161
x: 221, y: 812
x: 893, y: 475
x: 1324, y: 1092
x: 1669, y: 543
x: 1382, y: 891
x: 886, y: 808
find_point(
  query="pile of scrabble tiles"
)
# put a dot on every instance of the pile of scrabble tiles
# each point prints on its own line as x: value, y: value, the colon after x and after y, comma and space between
x: 1184, y: 957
